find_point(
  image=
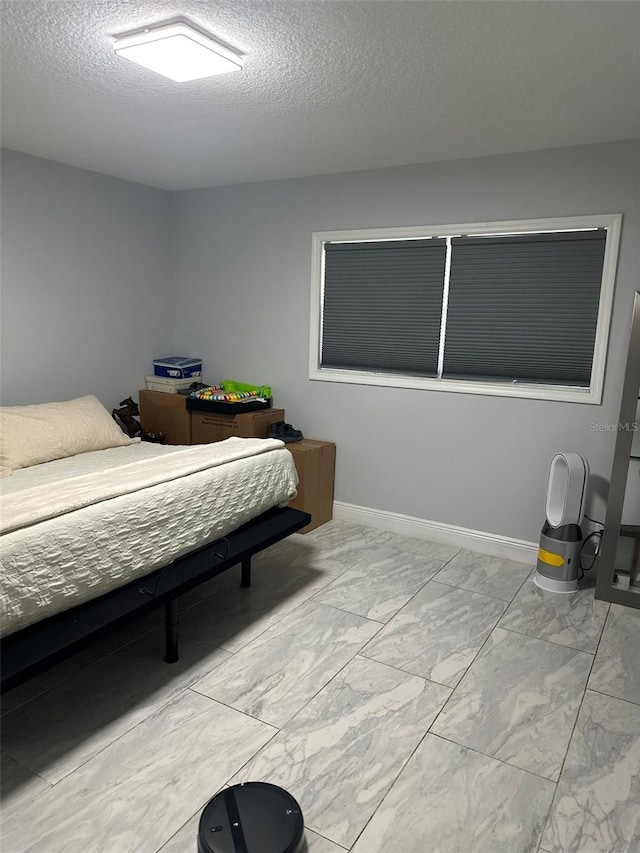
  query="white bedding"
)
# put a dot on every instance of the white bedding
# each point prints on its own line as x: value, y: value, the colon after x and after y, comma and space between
x: 90, y: 523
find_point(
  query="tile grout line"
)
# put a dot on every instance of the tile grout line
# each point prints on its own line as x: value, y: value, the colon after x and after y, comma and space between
x: 384, y: 624
x: 476, y: 656
x: 107, y: 745
x: 249, y: 760
x: 337, y: 577
x: 232, y: 708
x: 545, y: 640
x: 350, y: 613
x: 324, y: 837
x: 76, y: 672
x: 573, y: 728
x: 333, y: 677
x: 584, y: 692
x: 434, y: 579
x: 493, y: 757
x: 461, y: 589
x: 203, y: 804
x: 507, y: 601
x: 355, y: 654
x: 156, y: 710
x: 507, y: 604
x: 422, y: 586
x: 180, y: 828
x: 390, y: 786
x: 407, y: 672
x: 611, y: 696
x: 27, y: 769
x: 287, y: 613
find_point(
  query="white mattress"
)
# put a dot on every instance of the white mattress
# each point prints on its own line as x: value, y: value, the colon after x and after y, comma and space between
x: 57, y: 563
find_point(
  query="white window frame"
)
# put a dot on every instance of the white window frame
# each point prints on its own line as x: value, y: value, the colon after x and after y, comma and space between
x: 593, y: 394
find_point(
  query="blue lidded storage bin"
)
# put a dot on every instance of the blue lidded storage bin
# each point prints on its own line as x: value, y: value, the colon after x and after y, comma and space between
x: 178, y: 367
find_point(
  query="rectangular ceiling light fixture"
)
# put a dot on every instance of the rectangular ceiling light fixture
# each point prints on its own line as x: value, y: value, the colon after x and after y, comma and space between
x: 179, y: 52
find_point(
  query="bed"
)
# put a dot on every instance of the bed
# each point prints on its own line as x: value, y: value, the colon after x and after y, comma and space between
x: 93, y: 537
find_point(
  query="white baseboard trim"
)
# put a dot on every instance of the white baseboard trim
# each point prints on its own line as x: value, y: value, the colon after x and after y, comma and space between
x: 449, y: 534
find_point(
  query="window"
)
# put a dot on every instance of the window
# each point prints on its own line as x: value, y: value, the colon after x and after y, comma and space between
x: 516, y: 308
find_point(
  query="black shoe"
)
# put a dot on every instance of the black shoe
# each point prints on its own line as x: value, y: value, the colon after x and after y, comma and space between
x: 284, y: 432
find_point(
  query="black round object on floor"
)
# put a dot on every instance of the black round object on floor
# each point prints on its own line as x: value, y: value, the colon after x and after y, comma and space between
x: 255, y: 817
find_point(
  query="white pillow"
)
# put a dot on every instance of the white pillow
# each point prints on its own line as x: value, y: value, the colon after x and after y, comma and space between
x: 30, y: 435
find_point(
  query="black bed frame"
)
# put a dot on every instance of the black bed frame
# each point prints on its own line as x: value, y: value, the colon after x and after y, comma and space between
x: 29, y: 651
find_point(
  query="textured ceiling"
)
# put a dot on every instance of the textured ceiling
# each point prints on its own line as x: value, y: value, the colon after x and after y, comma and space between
x: 327, y: 86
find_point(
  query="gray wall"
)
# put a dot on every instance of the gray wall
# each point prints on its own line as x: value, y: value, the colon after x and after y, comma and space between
x: 242, y: 263
x: 86, y: 282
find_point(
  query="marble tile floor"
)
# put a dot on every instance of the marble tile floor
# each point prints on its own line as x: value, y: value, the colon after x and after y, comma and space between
x: 413, y: 697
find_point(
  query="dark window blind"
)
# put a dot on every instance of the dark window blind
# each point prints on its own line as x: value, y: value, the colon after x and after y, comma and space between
x: 383, y: 305
x: 524, y: 307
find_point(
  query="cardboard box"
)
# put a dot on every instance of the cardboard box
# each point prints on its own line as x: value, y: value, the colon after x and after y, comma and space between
x: 315, y: 463
x: 160, y: 412
x: 206, y: 428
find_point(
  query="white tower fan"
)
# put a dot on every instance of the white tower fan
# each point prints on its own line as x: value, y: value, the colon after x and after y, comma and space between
x: 558, y: 567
